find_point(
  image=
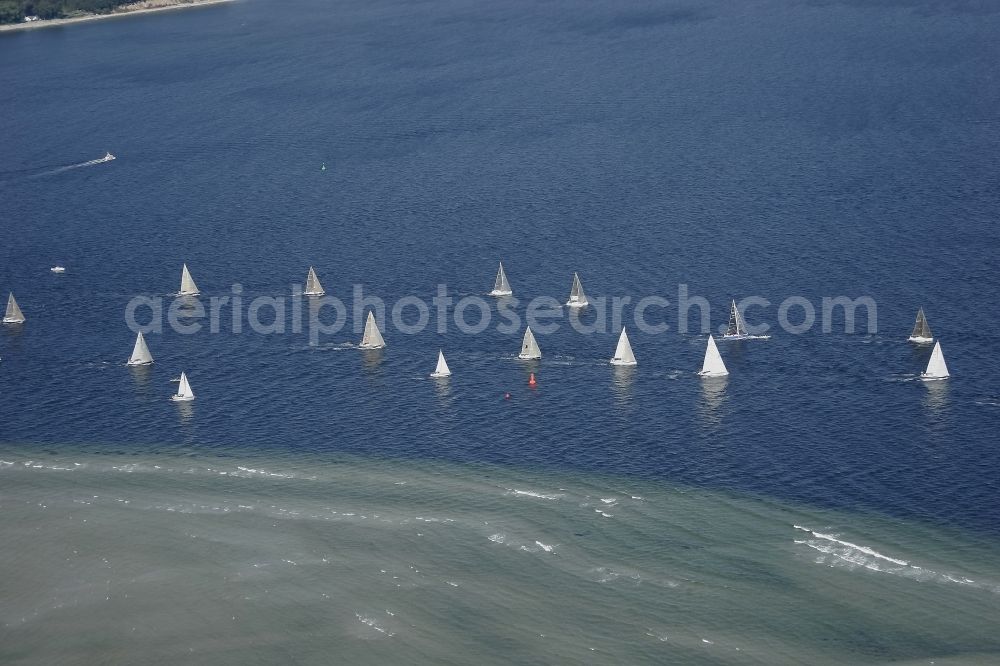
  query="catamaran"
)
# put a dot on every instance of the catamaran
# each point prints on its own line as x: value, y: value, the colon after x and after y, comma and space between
x: 372, y: 338
x: 623, y: 353
x: 184, y: 392
x: 529, y: 348
x: 936, y: 367
x: 500, y: 286
x: 140, y: 352
x: 188, y: 287
x: 442, y: 369
x: 737, y: 329
x: 13, y: 314
x: 577, y: 299
x: 313, y: 287
x: 713, y: 366
x: 921, y: 330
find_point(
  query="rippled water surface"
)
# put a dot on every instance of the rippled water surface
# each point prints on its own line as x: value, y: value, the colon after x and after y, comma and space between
x: 821, y: 505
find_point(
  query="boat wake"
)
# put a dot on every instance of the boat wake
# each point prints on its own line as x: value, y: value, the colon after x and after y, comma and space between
x: 107, y: 158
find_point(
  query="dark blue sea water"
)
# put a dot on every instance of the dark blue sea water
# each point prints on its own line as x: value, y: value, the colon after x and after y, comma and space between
x: 315, y: 502
x: 812, y: 149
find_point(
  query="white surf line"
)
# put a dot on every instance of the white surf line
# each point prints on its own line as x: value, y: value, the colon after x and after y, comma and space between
x: 853, y: 546
x: 903, y: 567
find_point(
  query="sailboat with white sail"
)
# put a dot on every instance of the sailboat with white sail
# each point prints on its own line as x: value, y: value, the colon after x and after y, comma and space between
x: 936, y: 367
x: 737, y: 329
x: 442, y: 370
x: 140, y: 352
x: 188, y: 287
x: 713, y: 366
x: 13, y: 315
x: 577, y: 299
x: 372, y: 338
x: 921, y: 330
x: 529, y: 347
x: 623, y: 352
x: 500, y: 286
x: 184, y: 392
x: 313, y: 287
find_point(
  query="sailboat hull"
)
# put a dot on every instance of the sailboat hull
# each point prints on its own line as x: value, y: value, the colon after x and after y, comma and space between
x: 529, y: 357
x: 500, y: 292
x: 920, y: 340
x: 577, y: 304
x: 138, y: 363
x: 622, y: 362
x: 924, y: 377
x: 181, y: 398
x: 708, y: 374
x: 741, y: 336
x: 440, y: 375
x: 11, y: 320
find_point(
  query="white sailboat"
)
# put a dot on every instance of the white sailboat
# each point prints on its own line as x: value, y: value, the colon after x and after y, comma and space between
x: 623, y: 352
x: 577, y: 299
x: 529, y: 348
x: 713, y: 365
x: 442, y: 369
x: 13, y: 314
x: 921, y: 330
x: 500, y: 286
x: 737, y: 329
x: 140, y: 352
x: 184, y: 392
x: 372, y: 338
x: 188, y: 287
x: 313, y: 287
x: 936, y: 367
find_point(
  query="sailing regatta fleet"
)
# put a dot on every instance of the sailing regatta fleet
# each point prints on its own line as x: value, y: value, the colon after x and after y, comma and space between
x: 713, y: 365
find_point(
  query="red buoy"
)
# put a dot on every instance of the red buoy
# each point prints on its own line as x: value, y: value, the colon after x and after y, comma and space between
x: 531, y: 380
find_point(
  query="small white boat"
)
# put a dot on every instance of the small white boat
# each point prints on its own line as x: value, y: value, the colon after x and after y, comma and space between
x: 108, y: 157
x: 372, y: 338
x: 13, y: 315
x: 188, y: 287
x: 577, y: 299
x: 140, y: 352
x: 184, y: 392
x: 713, y: 366
x: 623, y: 353
x: 921, y: 330
x: 529, y: 347
x: 500, y: 286
x: 313, y: 287
x: 442, y: 370
x: 936, y: 367
x: 737, y: 330
x: 58, y: 269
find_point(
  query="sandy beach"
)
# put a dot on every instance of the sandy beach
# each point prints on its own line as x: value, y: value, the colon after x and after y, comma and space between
x: 146, y: 7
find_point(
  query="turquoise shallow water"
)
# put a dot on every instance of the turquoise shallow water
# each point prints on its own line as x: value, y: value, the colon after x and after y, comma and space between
x: 302, y: 559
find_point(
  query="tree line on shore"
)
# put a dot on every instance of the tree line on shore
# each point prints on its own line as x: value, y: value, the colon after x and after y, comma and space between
x: 14, y: 11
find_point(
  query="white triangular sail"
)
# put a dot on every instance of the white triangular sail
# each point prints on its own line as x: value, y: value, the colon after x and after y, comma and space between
x: 13, y: 314
x: 140, y: 352
x: 184, y: 391
x: 313, y: 287
x: 713, y: 365
x: 188, y: 287
x: 442, y: 369
x: 936, y: 367
x: 921, y: 329
x: 577, y: 299
x: 529, y: 348
x: 500, y: 286
x: 372, y: 338
x: 623, y: 353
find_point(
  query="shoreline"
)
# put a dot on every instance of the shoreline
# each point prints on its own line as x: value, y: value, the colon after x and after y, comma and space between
x: 49, y: 23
